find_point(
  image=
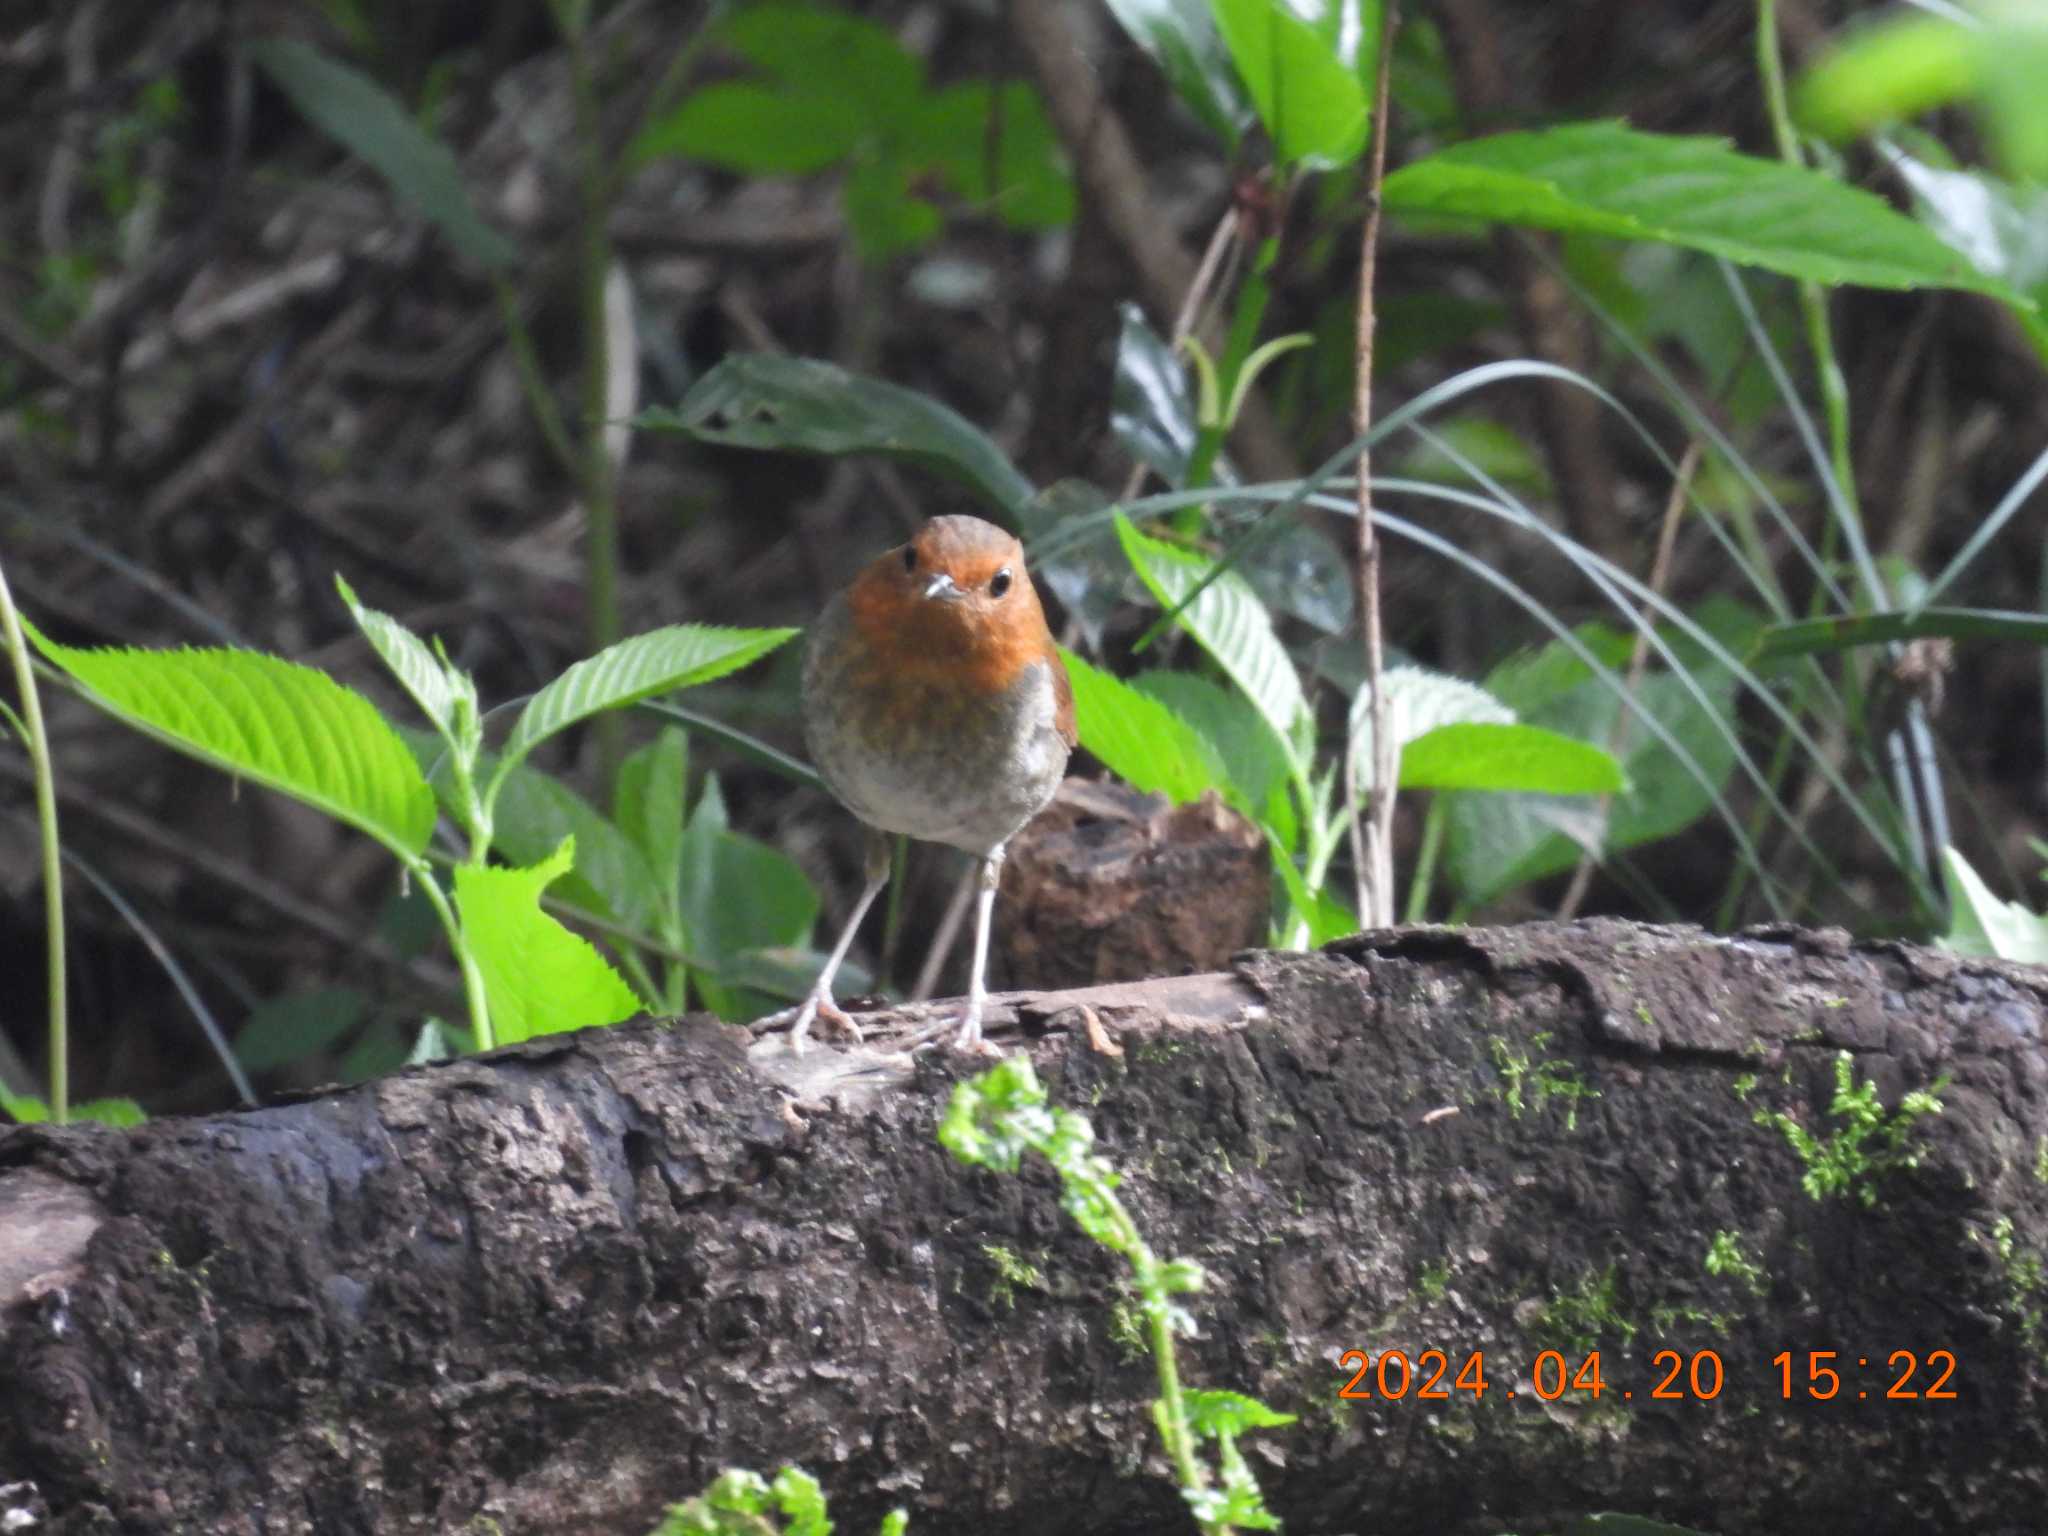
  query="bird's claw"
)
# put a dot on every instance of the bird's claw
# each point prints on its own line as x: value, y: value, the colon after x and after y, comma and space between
x: 818, y: 1005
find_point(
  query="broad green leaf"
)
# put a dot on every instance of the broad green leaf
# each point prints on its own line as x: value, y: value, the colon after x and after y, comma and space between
x: 283, y: 725
x: 1499, y: 841
x: 758, y: 400
x: 1314, y: 107
x: 539, y: 978
x: 1609, y: 179
x: 1182, y: 38
x: 831, y: 53
x: 755, y: 130
x: 1981, y: 924
x: 1507, y: 757
x: 648, y: 803
x: 886, y: 216
x: 679, y: 656
x: 1841, y: 632
x: 536, y: 813
x: 738, y: 896
x: 363, y: 117
x: 1419, y: 701
x: 446, y: 695
x: 282, y: 1030
x: 1253, y: 760
x: 1152, y: 409
x: 1031, y: 188
x: 1142, y: 741
x: 1227, y: 620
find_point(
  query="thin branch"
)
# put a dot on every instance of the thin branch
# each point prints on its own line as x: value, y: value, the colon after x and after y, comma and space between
x: 1372, y: 847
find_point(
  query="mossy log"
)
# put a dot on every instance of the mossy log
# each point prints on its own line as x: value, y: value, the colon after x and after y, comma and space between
x: 554, y: 1288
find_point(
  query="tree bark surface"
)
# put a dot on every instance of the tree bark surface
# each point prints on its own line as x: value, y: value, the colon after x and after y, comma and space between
x: 555, y: 1288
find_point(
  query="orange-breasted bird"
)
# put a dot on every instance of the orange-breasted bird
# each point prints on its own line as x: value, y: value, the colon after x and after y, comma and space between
x: 936, y: 705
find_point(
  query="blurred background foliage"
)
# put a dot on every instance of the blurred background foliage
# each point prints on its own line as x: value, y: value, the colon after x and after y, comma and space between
x: 498, y: 312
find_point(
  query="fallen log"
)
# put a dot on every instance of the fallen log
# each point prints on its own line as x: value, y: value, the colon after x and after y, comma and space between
x: 1431, y: 1175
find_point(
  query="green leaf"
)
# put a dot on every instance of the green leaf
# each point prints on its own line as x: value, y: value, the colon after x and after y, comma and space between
x: 1182, y: 38
x: 738, y: 896
x: 1254, y: 762
x: 364, y: 118
x: 648, y: 803
x: 283, y: 725
x: 27, y: 1109
x: 680, y: 656
x: 445, y: 694
x: 1508, y: 757
x: 1981, y: 924
x: 1498, y: 841
x: 1212, y: 1414
x: 754, y: 130
x: 1841, y: 632
x: 1895, y: 69
x: 1314, y: 107
x: 1325, y: 913
x: 760, y: 400
x: 1142, y: 741
x: 1910, y: 64
x: 1609, y: 179
x: 886, y: 216
x: 282, y: 1030
x: 825, y: 51
x: 539, y: 978
x: 1227, y: 620
x: 1031, y: 188
x: 536, y: 813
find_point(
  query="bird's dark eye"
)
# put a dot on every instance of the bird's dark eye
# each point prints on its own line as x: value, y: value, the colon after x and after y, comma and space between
x: 910, y: 557
x: 999, y: 583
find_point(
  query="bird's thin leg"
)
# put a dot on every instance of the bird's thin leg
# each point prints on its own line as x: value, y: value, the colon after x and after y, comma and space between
x: 820, y: 999
x: 969, y: 1038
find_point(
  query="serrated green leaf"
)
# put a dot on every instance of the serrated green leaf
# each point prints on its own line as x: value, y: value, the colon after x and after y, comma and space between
x: 1142, y: 741
x: 1213, y: 1413
x: 539, y: 978
x: 536, y: 812
x: 757, y: 400
x: 1314, y: 107
x: 648, y: 803
x: 1609, y: 179
x: 1526, y: 758
x: 275, y: 722
x: 680, y: 656
x: 364, y: 118
x: 440, y: 691
x: 1227, y: 620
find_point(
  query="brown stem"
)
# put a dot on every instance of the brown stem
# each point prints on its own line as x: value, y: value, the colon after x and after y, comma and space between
x: 1372, y: 854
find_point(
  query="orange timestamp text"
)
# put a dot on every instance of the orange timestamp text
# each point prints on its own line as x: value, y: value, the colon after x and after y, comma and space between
x: 1392, y: 1375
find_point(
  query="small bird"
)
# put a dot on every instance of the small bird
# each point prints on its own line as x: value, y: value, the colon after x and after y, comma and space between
x: 936, y: 705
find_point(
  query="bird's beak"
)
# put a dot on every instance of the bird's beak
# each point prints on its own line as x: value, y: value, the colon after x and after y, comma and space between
x: 941, y: 585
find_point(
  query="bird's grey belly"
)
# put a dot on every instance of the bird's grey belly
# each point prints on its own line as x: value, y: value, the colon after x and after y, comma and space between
x: 971, y: 783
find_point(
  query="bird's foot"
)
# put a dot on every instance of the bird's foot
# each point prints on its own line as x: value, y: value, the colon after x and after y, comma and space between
x: 818, y: 1005
x: 969, y: 1041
